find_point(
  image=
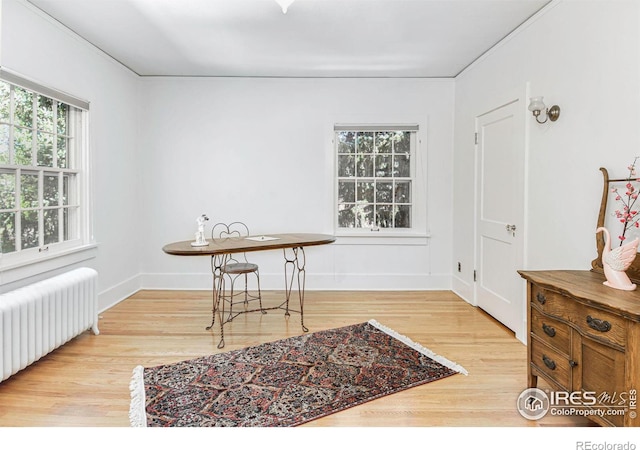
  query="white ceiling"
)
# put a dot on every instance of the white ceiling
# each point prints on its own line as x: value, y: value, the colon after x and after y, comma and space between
x: 315, y: 38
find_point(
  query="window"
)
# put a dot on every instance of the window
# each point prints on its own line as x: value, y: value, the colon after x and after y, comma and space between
x: 42, y: 181
x: 376, y: 178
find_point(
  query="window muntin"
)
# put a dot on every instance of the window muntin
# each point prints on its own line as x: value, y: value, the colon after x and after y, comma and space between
x: 375, y: 178
x: 41, y: 149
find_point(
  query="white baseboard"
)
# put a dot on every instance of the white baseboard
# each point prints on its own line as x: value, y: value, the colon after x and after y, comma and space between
x: 380, y: 282
x: 273, y: 281
x: 119, y: 292
x: 276, y: 281
x: 463, y: 290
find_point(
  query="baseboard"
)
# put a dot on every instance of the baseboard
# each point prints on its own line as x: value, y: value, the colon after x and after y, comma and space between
x: 331, y: 282
x: 273, y: 281
x: 380, y: 282
x: 119, y: 292
x: 463, y: 290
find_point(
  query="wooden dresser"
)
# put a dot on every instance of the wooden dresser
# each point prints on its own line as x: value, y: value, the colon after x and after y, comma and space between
x: 585, y: 337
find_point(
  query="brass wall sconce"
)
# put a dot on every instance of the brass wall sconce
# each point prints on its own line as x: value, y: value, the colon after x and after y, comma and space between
x: 537, y: 106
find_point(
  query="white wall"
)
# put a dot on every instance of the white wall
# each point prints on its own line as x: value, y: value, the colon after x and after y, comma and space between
x: 198, y: 137
x: 39, y: 48
x: 259, y: 150
x: 583, y: 56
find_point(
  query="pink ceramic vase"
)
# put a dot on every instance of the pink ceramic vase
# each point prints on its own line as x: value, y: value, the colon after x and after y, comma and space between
x: 615, y: 262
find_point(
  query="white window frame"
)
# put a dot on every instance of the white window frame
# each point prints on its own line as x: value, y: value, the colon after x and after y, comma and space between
x: 33, y: 261
x: 418, y: 233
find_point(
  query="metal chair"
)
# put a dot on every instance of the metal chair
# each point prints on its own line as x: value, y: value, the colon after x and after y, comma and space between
x: 234, y: 267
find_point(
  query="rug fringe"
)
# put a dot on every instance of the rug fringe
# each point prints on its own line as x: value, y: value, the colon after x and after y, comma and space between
x: 137, y: 413
x: 425, y: 351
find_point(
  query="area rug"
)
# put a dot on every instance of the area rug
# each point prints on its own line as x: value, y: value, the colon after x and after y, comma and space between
x: 284, y: 383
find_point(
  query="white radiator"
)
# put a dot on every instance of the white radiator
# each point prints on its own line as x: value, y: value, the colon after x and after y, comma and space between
x: 36, y: 319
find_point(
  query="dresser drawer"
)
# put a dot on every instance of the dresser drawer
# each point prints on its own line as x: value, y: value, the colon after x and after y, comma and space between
x: 551, y: 331
x: 588, y: 321
x: 551, y: 363
x: 601, y: 324
x: 545, y: 299
x: 599, y: 354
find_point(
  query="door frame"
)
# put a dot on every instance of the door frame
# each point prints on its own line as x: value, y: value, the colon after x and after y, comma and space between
x: 521, y: 95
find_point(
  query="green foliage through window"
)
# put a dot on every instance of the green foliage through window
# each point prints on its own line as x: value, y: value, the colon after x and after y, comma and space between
x: 374, y: 178
x: 38, y: 187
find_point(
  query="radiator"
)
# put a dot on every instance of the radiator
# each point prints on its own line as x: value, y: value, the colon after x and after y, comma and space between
x: 38, y: 318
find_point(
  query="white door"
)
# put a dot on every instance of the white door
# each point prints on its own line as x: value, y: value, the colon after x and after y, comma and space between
x: 499, y: 214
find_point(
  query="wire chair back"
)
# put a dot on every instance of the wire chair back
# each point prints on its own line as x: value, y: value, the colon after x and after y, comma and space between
x: 233, y: 230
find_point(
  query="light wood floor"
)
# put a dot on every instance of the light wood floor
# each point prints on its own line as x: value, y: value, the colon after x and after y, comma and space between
x: 86, y: 382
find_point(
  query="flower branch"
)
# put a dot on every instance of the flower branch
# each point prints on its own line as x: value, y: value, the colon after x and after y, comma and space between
x: 627, y: 214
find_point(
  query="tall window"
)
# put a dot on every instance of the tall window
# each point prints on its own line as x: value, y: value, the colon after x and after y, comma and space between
x: 375, y: 177
x: 41, y: 152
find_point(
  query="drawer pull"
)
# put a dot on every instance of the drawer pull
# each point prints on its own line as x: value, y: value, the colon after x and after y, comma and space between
x: 548, y: 330
x: 598, y: 324
x: 541, y: 298
x: 550, y: 363
x: 572, y: 363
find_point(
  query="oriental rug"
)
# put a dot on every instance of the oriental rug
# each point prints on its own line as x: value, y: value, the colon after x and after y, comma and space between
x: 284, y: 383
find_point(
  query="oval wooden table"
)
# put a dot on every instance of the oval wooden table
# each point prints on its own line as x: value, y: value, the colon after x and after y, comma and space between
x: 292, y: 245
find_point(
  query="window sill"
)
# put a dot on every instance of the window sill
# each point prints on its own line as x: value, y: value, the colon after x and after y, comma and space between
x: 375, y: 238
x: 17, y: 271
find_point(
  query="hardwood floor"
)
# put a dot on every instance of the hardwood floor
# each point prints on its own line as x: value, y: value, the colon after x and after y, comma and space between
x: 85, y: 383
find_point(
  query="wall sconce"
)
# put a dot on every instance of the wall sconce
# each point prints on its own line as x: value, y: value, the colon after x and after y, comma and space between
x: 537, y: 106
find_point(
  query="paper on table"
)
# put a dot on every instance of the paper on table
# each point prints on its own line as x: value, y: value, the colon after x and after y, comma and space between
x: 262, y: 238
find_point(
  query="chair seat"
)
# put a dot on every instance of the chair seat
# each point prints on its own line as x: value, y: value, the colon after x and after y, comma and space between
x: 237, y: 268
